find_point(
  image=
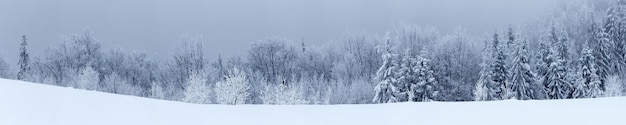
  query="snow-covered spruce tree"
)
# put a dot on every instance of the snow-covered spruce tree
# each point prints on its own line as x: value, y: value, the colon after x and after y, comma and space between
x: 542, y: 64
x: 424, y: 89
x: 510, y: 43
x: 601, y: 52
x: 589, y: 80
x: 562, y: 47
x: 555, y: 77
x: 557, y: 87
x: 88, y: 79
x: 407, y: 78
x: 615, y: 27
x: 386, y: 89
x: 24, y: 60
x: 522, y: 78
x: 197, y: 91
x: 580, y: 90
x: 481, y: 92
x: 542, y: 61
x: 498, y: 70
x: 510, y: 48
x: 233, y: 90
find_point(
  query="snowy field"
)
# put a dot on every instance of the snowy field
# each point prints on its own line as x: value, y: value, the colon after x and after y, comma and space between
x: 23, y: 103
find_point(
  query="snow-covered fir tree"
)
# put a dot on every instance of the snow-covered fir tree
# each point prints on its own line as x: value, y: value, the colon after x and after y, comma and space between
x: 197, y: 91
x: 482, y: 92
x: 589, y: 80
x: 498, y: 70
x: 556, y: 78
x: 601, y: 52
x: 580, y: 90
x: 542, y: 62
x: 425, y: 87
x: 557, y: 87
x: 233, y: 90
x: 522, y: 78
x: 385, y: 91
x: 562, y: 47
x: 24, y: 60
x: 510, y: 43
x: 615, y: 27
x: 407, y: 77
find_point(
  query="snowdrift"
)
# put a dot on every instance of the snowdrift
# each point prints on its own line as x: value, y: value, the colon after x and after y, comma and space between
x: 24, y: 103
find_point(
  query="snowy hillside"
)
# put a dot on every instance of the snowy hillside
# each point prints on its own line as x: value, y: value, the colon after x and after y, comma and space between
x: 23, y: 103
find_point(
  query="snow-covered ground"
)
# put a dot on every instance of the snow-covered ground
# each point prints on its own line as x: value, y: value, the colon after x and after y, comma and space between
x: 23, y: 103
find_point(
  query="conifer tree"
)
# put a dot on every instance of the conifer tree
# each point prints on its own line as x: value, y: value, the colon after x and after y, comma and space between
x: 425, y: 87
x: 499, y: 70
x: 522, y: 78
x: 556, y: 85
x: 542, y: 61
x: 407, y: 77
x: 482, y: 91
x: 601, y: 52
x: 615, y: 28
x: 510, y: 43
x: 24, y: 60
x: 385, y: 91
x: 589, y: 79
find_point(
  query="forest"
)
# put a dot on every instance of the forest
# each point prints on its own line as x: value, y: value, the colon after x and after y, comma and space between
x: 578, y: 51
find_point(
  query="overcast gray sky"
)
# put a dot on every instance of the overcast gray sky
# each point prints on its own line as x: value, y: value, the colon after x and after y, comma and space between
x: 230, y: 26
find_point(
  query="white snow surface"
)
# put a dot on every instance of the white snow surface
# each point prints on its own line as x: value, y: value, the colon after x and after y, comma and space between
x: 24, y: 103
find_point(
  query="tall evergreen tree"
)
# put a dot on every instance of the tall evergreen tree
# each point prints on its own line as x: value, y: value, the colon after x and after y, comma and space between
x: 562, y: 47
x: 602, y: 52
x: 24, y: 60
x: 557, y: 79
x: 385, y: 91
x: 499, y: 70
x: 510, y: 43
x: 482, y: 91
x: 615, y: 27
x: 425, y: 87
x: 589, y: 83
x: 407, y: 77
x: 557, y: 86
x: 510, y: 48
x: 522, y: 78
x: 542, y: 61
x: 563, y: 54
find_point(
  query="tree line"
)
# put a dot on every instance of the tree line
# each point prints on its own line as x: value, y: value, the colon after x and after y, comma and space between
x: 574, y: 53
